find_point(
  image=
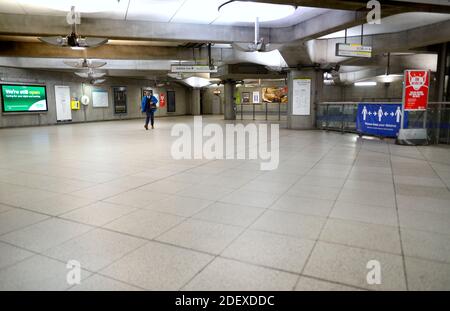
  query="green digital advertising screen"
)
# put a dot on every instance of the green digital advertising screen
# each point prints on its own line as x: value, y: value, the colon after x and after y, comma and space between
x: 24, y: 98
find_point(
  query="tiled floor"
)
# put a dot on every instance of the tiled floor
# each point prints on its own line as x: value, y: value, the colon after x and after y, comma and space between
x: 110, y: 196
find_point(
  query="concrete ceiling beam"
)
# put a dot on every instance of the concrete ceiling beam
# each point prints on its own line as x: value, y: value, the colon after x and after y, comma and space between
x: 37, y: 25
x: 353, y: 5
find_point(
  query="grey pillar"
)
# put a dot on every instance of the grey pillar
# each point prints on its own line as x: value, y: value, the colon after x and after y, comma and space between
x: 441, y: 68
x: 304, y: 121
x: 229, y: 107
x: 195, y: 101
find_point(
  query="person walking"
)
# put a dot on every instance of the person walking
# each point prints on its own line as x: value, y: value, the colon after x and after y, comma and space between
x: 148, y: 105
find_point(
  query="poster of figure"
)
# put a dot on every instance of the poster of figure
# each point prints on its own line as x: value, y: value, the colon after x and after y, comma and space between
x: 246, y: 97
x: 274, y: 95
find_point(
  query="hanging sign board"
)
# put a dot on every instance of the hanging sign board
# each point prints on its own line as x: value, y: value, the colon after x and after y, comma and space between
x: 416, y: 88
x: 353, y: 50
x: 192, y: 69
x: 301, y: 101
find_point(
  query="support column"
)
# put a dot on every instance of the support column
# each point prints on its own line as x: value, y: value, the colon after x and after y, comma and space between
x: 441, y: 71
x: 195, y: 108
x: 230, y: 105
x: 304, y: 121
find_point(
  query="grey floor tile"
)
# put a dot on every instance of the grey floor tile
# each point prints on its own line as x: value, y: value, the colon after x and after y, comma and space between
x: 98, y: 214
x: 137, y: 198
x: 205, y: 192
x: 230, y: 214
x: 4, y: 208
x: 424, y: 221
x: 45, y: 234
x: 15, y: 218
x: 367, y: 196
x: 230, y: 275
x: 144, y: 223
x: 95, y: 249
x: 158, y: 267
x: 310, y: 284
x: 57, y: 205
x: 426, y: 245
x: 348, y: 265
x: 270, y: 250
x: 101, y: 283
x: 250, y: 198
x: 297, y: 225
x: 424, y: 275
x: 315, y: 192
x: 201, y: 235
x: 10, y: 255
x: 364, y: 235
x: 302, y: 205
x: 423, y: 204
x: 36, y: 273
x: 364, y: 213
x: 178, y: 205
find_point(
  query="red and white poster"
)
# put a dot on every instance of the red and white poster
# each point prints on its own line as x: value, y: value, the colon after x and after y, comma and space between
x: 162, y: 100
x: 417, y: 85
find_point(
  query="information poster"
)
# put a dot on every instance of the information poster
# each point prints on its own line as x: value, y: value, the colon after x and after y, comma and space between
x: 100, y: 99
x: 24, y: 98
x: 416, y: 87
x: 301, y: 101
x: 379, y: 119
x: 256, y: 97
x: 62, y: 98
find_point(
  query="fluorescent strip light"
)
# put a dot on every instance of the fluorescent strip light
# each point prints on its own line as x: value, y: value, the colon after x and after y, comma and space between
x: 366, y: 83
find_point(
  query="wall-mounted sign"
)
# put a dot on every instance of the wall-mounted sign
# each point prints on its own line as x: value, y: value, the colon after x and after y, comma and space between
x: 120, y: 99
x: 379, y: 119
x: 24, y: 98
x: 162, y: 100
x: 353, y: 50
x: 62, y: 99
x: 100, y: 99
x: 193, y: 69
x: 256, y: 97
x: 416, y: 89
x: 245, y: 97
x: 301, y: 101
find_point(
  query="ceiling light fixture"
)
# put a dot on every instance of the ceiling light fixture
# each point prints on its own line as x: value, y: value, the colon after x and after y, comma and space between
x: 246, y: 11
x: 366, y: 83
x: 197, y: 82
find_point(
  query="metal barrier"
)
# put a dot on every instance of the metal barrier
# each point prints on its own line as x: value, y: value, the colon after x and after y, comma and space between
x: 263, y: 111
x: 341, y: 116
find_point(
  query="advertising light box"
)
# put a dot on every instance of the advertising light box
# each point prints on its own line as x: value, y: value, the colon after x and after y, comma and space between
x: 23, y: 98
x: 416, y: 89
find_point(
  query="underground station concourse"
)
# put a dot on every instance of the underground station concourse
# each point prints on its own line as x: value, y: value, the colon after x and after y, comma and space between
x: 192, y: 145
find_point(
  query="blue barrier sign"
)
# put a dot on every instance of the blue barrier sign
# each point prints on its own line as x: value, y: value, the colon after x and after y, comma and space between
x: 379, y: 119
